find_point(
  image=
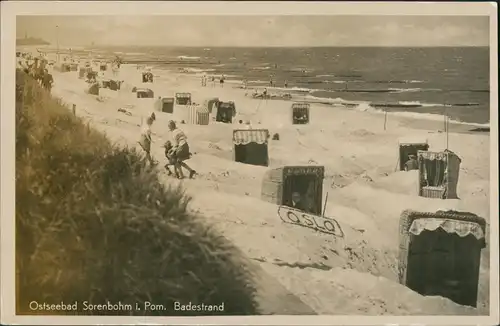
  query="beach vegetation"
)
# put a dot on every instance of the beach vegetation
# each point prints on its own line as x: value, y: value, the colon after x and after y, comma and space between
x: 95, y: 225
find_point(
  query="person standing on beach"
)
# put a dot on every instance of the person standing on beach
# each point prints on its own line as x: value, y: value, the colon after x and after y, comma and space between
x: 145, y: 140
x: 180, y: 151
x: 286, y: 84
x: 222, y: 81
x: 47, y: 80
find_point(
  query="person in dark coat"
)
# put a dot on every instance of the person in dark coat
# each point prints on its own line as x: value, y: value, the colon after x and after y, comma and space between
x: 297, y: 202
x: 412, y: 163
x: 47, y: 80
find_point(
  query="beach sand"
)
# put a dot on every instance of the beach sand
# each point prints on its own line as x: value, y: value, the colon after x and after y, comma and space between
x: 356, y: 274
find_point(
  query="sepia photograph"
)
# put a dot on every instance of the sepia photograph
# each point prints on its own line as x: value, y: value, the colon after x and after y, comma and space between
x: 253, y: 162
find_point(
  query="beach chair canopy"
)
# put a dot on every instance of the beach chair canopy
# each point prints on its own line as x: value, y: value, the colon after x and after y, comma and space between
x: 299, y: 106
x: 183, y: 98
x: 438, y: 174
x: 202, y: 109
x: 410, y: 146
x: 279, y: 184
x: 438, y: 156
x: 199, y: 115
x: 167, y: 100
x: 144, y: 93
x: 440, y: 253
x: 147, y: 77
x: 182, y: 95
x: 300, y: 113
x: 227, y: 105
x: 210, y: 102
x: 246, y: 136
x: 226, y: 111
x: 251, y: 146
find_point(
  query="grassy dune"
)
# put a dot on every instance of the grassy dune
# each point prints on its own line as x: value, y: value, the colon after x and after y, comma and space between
x: 93, y: 224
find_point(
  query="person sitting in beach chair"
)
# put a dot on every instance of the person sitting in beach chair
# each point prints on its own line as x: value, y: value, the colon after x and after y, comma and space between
x: 297, y: 202
x: 180, y: 151
x: 412, y: 163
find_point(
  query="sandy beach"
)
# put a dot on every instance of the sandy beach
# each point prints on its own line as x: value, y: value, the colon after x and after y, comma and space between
x: 365, y: 193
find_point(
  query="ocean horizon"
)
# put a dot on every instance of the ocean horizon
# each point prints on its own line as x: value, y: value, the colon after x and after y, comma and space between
x: 427, y: 80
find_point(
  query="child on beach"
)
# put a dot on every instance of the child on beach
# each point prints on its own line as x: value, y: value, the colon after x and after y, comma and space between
x: 169, y: 154
x: 145, y: 140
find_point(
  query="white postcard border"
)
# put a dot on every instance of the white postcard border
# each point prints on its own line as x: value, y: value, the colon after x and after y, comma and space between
x: 9, y: 9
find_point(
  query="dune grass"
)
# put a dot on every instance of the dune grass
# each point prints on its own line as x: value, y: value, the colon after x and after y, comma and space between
x: 94, y: 224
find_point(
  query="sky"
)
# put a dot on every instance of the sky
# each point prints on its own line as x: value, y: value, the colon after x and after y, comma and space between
x: 261, y: 31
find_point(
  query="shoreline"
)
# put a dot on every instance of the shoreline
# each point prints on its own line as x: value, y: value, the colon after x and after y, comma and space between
x: 420, y: 121
x: 435, y: 120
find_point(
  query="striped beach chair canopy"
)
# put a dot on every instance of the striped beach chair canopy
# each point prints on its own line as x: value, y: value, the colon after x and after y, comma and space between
x: 182, y: 95
x: 198, y: 115
x: 247, y: 136
x: 299, y: 106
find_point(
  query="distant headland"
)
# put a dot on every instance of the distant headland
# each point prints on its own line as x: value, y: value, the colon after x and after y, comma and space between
x: 31, y: 41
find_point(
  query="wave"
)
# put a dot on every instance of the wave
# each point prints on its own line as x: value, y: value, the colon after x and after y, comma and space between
x: 396, y: 81
x: 299, y: 69
x: 405, y: 90
x: 350, y: 75
x: 182, y: 57
x: 364, y: 90
x: 310, y: 82
x: 464, y: 104
x: 366, y: 106
x: 471, y: 90
x: 294, y: 89
x: 195, y: 70
x: 261, y: 68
